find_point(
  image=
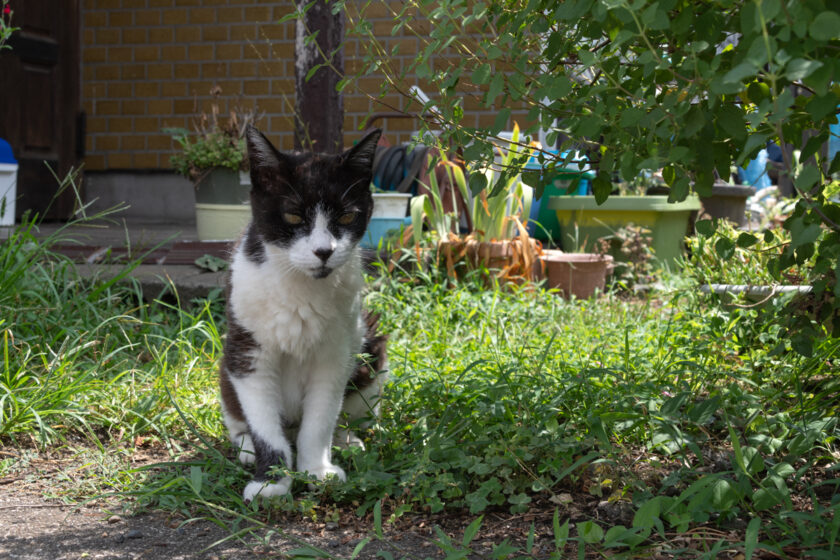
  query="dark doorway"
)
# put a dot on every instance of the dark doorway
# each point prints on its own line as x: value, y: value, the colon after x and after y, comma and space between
x: 39, y: 102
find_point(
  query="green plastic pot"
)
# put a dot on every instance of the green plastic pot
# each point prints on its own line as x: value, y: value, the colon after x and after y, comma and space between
x: 222, y: 186
x: 582, y: 221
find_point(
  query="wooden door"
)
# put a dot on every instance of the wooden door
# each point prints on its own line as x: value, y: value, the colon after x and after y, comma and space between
x: 39, y: 101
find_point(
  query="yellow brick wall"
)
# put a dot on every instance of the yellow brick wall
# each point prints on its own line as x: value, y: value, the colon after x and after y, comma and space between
x: 150, y: 64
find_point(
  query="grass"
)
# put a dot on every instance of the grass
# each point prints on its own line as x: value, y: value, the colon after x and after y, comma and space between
x: 661, y: 425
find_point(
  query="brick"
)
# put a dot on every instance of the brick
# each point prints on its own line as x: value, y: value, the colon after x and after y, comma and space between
x: 228, y: 51
x: 162, y: 141
x: 147, y: 54
x: 188, y: 2
x: 213, y: 70
x: 161, y: 3
x: 106, y: 107
x: 173, y: 89
x: 133, y: 107
x: 260, y: 51
x: 119, y: 19
x: 159, y: 107
x: 272, y: 104
x: 122, y: 125
x: 271, y: 31
x: 245, y: 32
x: 161, y: 71
x: 107, y: 36
x: 187, y: 70
x: 190, y: 34
x: 119, y: 160
x: 133, y: 72
x: 229, y: 15
x: 94, y: 54
x: 147, y: 17
x: 146, y: 124
x: 93, y: 162
x: 203, y: 15
x: 282, y: 87
x: 173, y: 52
x: 214, y: 32
x: 258, y: 14
x: 256, y: 87
x: 119, y: 89
x: 119, y: 54
x: 107, y: 72
x: 106, y: 142
x: 96, y: 124
x: 95, y: 19
x: 271, y: 68
x: 134, y: 35
x: 243, y: 69
x: 200, y: 52
x: 134, y: 4
x: 146, y: 160
x: 183, y: 106
x: 146, y: 89
x: 161, y: 35
x: 201, y: 88
x: 178, y: 16
x: 133, y: 142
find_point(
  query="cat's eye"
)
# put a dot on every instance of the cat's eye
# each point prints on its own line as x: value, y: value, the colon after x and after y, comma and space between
x: 292, y: 219
x: 347, y: 219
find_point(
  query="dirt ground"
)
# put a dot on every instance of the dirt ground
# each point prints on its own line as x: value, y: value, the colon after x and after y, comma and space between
x: 34, y: 525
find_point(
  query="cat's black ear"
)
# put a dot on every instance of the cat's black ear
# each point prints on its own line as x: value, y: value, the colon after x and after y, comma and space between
x: 264, y: 159
x: 360, y: 157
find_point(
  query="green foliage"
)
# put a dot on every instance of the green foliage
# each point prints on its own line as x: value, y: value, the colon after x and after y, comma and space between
x: 201, y: 153
x: 689, y: 87
x: 215, y: 142
x: 6, y: 28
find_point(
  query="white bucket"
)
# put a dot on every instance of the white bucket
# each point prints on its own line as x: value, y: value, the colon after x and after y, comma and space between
x: 8, y: 193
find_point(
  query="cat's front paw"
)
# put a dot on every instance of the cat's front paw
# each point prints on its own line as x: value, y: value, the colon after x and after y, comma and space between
x: 247, y: 455
x: 266, y: 489
x: 322, y: 472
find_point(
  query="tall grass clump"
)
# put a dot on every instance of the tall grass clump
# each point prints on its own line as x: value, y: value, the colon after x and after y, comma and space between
x: 84, y: 353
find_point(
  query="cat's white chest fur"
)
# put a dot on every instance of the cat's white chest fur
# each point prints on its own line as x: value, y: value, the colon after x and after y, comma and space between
x: 292, y: 313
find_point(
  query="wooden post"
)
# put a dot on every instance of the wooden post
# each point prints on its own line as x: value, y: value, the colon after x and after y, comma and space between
x: 319, y: 108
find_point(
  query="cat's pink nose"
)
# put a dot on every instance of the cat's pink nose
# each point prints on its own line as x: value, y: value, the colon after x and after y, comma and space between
x: 323, y: 253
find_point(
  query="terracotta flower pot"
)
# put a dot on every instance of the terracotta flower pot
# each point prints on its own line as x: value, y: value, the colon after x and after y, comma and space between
x: 578, y: 274
x: 508, y: 260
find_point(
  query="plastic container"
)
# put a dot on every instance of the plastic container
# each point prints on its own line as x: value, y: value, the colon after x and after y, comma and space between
x: 8, y: 184
x: 390, y: 205
x: 582, y: 221
x: 378, y: 228
x: 543, y: 224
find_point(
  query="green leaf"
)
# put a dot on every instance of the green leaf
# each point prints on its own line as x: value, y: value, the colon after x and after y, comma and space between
x: 807, y: 178
x: 377, y: 519
x: 803, y: 344
x: 601, y: 187
x: 724, y: 495
x: 590, y: 532
x: 471, y: 531
x: 746, y: 240
x: 481, y: 74
x: 196, y: 479
x: 764, y: 499
x: 561, y: 533
x: 496, y: 86
x: 751, y: 538
x: 647, y: 516
x: 826, y: 26
x: 800, y: 68
x: 705, y: 227
x: 724, y: 248
x: 737, y: 74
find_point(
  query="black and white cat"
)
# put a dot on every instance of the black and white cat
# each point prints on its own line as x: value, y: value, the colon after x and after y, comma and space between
x: 295, y: 319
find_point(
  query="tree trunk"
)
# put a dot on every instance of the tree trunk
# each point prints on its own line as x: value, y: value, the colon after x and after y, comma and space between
x: 319, y: 108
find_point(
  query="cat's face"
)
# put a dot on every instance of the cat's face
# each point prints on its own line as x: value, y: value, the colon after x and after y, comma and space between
x: 311, y: 208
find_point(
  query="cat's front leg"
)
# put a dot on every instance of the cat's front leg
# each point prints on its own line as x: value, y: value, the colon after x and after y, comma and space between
x: 321, y: 405
x: 261, y: 405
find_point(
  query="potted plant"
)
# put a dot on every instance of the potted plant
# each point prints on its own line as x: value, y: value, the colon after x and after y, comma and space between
x: 668, y: 222
x: 498, y: 241
x: 214, y: 157
x: 728, y: 201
